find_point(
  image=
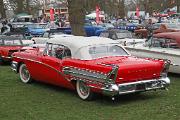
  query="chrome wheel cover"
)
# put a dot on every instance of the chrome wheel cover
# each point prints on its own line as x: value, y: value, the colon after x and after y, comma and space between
x: 24, y: 74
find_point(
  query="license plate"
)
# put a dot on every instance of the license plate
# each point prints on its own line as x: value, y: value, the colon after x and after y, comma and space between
x: 140, y: 87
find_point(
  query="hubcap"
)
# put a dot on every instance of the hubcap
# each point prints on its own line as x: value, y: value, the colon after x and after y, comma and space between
x: 25, y: 73
x: 84, y: 90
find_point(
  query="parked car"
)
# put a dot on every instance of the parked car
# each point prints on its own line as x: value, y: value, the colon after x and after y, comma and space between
x: 47, y: 35
x: 37, y: 29
x: 126, y: 26
x: 20, y: 20
x: 106, y: 25
x: 90, y: 65
x: 162, y: 46
x: 90, y: 29
x: 124, y: 37
x: 158, y: 28
x: 8, y: 45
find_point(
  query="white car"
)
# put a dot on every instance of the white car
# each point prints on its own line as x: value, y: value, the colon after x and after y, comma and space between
x: 163, y: 46
x: 47, y: 36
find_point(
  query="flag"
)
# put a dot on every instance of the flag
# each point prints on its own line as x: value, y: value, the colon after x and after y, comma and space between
x: 137, y: 11
x: 97, y: 14
x: 51, y: 14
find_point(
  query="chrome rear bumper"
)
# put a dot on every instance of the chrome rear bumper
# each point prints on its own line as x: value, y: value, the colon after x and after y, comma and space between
x: 133, y: 87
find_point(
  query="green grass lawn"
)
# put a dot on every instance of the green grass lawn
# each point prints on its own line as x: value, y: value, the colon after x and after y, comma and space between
x: 38, y: 101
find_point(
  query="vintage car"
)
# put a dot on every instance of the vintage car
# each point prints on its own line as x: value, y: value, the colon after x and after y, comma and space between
x: 90, y: 29
x: 142, y: 32
x: 20, y: 20
x: 91, y: 65
x: 47, y: 36
x: 36, y: 29
x: 162, y: 46
x: 8, y: 45
x: 124, y: 37
x: 124, y: 25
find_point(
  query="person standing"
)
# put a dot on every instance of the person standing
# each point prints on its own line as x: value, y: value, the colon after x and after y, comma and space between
x: 149, y: 28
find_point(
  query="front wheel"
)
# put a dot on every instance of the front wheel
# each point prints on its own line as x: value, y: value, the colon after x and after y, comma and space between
x: 84, y: 91
x: 24, y: 74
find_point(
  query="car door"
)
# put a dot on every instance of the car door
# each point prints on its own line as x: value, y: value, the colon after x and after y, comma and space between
x: 52, y: 61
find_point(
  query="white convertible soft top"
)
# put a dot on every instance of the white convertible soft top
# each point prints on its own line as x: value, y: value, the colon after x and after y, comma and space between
x: 75, y: 43
x: 80, y: 41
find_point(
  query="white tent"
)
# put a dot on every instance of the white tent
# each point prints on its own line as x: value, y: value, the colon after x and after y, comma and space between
x: 93, y: 15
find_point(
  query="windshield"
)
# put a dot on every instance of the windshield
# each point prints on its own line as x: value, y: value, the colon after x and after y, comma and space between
x: 121, y: 35
x: 106, y: 50
x: 12, y: 42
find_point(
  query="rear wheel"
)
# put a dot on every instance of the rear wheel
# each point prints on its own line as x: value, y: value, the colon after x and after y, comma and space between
x: 24, y: 74
x: 84, y: 91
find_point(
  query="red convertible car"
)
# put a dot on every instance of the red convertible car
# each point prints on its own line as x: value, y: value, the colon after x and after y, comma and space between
x: 91, y: 65
x: 8, y: 45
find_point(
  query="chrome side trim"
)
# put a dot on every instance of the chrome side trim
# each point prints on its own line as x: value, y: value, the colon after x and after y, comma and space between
x: 90, y: 75
x: 84, y: 74
x: 6, y: 57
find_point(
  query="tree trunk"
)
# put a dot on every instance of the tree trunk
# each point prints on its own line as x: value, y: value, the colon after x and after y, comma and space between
x: 77, y: 17
x: 121, y: 8
x: 178, y: 5
x: 28, y: 7
x: 20, y: 6
x: 2, y: 9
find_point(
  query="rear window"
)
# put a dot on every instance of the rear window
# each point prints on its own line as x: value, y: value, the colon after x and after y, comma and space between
x: 106, y: 50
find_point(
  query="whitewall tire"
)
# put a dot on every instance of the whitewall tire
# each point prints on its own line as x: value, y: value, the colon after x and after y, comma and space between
x: 83, y: 91
x: 24, y: 74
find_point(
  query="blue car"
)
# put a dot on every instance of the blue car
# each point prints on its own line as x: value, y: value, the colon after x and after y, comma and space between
x: 126, y: 26
x: 91, y: 30
x: 36, y: 29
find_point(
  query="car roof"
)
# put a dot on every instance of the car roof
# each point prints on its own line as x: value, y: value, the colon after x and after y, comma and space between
x: 75, y: 43
x: 79, y: 45
x: 80, y: 41
x: 169, y: 35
